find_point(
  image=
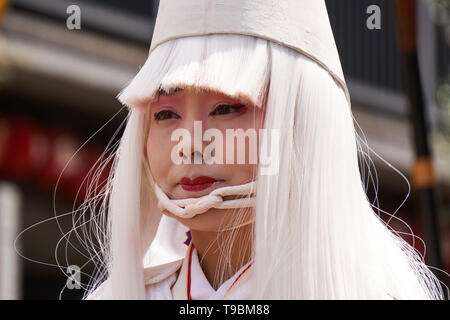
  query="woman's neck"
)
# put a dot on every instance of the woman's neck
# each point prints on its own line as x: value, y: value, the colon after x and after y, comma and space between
x: 223, y: 252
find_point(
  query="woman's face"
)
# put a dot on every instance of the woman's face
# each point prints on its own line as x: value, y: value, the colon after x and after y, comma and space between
x: 214, y: 110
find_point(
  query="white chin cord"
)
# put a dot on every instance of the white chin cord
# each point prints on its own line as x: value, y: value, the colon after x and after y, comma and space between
x: 188, y: 208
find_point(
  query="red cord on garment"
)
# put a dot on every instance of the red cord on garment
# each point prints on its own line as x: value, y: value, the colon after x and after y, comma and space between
x: 243, y: 271
x: 189, y: 274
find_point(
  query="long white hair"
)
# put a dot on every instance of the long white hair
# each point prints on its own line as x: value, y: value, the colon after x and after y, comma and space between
x: 316, y: 235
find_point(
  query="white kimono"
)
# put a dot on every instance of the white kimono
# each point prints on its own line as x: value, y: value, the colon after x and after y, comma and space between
x: 169, y: 281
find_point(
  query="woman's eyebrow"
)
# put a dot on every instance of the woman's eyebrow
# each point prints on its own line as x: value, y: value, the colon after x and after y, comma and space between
x: 162, y: 92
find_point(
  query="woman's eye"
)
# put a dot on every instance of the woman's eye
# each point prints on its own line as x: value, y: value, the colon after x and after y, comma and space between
x: 165, y: 114
x: 226, y: 109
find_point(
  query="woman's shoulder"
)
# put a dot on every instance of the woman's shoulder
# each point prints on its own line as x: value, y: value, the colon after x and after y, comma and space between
x: 152, y: 276
x: 155, y: 274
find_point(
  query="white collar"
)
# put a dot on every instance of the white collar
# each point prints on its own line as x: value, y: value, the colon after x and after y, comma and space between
x: 201, y: 289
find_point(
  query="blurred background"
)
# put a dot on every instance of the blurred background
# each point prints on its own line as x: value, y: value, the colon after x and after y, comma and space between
x: 57, y: 89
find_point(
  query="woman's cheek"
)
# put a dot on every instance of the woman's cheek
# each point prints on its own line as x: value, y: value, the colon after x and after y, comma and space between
x: 155, y: 159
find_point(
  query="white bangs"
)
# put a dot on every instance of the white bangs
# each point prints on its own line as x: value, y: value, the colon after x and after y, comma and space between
x: 235, y: 65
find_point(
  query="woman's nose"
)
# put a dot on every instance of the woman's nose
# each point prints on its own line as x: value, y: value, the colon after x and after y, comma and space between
x: 196, y: 154
x: 195, y: 143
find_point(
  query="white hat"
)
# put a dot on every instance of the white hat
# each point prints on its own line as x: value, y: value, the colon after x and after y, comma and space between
x: 302, y: 25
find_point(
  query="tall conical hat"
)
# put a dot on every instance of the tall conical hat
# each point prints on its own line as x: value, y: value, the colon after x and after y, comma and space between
x: 302, y: 25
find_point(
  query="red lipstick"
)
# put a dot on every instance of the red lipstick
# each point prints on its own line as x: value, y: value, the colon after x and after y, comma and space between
x: 197, y: 184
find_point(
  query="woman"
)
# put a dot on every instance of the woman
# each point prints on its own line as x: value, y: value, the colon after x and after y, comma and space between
x: 302, y: 228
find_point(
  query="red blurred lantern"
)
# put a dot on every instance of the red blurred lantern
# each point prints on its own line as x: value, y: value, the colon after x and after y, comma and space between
x: 23, y: 148
x: 49, y: 156
x: 93, y: 174
x: 63, y: 163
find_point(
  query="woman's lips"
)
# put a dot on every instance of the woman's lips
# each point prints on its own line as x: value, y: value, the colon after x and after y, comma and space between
x: 197, y: 184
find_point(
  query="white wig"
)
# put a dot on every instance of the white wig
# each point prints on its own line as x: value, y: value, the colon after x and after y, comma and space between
x: 316, y: 234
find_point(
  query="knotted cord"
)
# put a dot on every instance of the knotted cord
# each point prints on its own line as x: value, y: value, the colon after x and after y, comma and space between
x: 188, y: 208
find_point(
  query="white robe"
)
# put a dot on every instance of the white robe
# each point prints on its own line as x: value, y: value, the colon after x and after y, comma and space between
x: 170, y: 282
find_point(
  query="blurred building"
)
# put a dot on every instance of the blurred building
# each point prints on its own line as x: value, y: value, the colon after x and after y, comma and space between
x: 58, y: 88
